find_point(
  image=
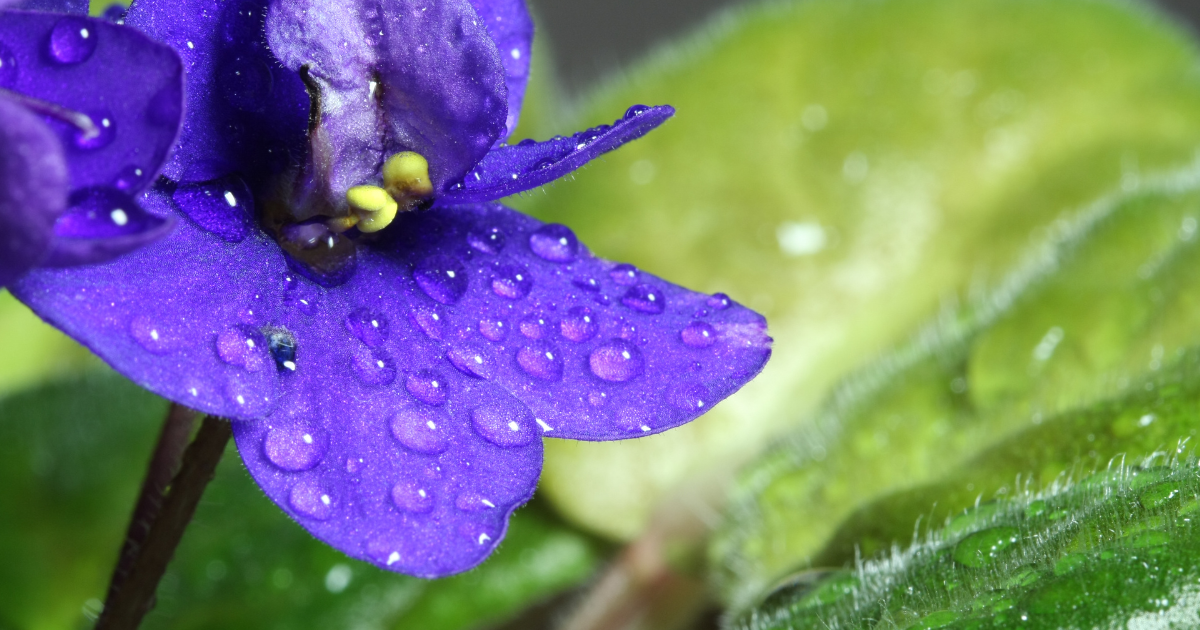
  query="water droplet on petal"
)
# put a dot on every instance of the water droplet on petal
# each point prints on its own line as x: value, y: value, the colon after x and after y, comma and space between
x: 579, y: 325
x: 367, y: 326
x: 645, y: 299
x: 492, y: 329
x: 295, y: 448
x: 473, y: 502
x: 311, y: 500
x: 488, y: 241
x: 430, y: 320
x: 246, y: 83
x: 635, y: 111
x: 505, y: 422
x: 411, y: 497
x: 555, y: 243
x: 8, y: 67
x: 587, y: 284
x: 130, y: 179
x: 421, y: 429
x: 373, y: 367
x: 512, y: 282
x: 149, y: 335
x: 616, y: 360
x: 718, y: 301
x: 241, y: 348
x: 689, y: 397
x: 72, y: 40
x: 106, y: 131
x: 426, y: 386
x: 624, y: 275
x: 442, y: 278
x: 698, y: 334
x: 318, y: 254
x: 281, y: 343
x: 223, y: 207
x: 469, y: 361
x: 535, y: 326
x: 541, y: 360
x: 101, y: 212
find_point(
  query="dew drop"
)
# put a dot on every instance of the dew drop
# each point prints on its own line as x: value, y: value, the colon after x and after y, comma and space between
x: 295, y: 448
x: 149, y: 335
x: 983, y: 547
x: 689, y: 397
x: 426, y: 386
x: 72, y: 40
x: 698, y: 334
x: 105, y: 132
x: 488, y: 241
x: 504, y: 422
x: 241, y: 348
x: 555, y: 243
x: 535, y: 326
x: 373, y: 367
x: 130, y: 179
x: 442, y: 278
x: 492, y: 329
x: 473, y: 502
x: 223, y: 207
x: 587, y: 284
x: 411, y: 497
x: 311, y: 500
x: 541, y: 360
x: 617, y: 361
x: 421, y: 429
x: 367, y: 326
x: 470, y: 362
x: 8, y: 67
x: 100, y: 213
x: 281, y: 343
x: 718, y: 301
x: 635, y: 111
x: 512, y: 282
x: 644, y: 299
x: 318, y: 254
x: 624, y: 275
x: 246, y: 83
x: 430, y: 321
x: 579, y: 325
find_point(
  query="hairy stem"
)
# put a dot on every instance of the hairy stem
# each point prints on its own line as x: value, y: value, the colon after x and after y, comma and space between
x: 130, y: 600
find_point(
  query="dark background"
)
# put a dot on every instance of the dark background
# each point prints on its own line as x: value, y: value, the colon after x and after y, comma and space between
x: 592, y: 38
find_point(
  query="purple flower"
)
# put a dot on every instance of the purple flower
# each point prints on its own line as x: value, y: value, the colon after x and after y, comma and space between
x: 391, y: 346
x: 88, y: 113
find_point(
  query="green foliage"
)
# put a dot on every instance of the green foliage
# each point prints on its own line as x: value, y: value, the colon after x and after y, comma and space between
x: 1121, y: 549
x: 72, y: 456
x: 846, y: 167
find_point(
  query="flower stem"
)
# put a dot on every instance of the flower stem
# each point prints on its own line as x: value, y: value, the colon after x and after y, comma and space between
x: 135, y: 581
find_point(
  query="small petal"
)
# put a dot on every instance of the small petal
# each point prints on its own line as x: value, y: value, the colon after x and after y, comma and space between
x: 511, y: 28
x: 511, y: 169
x: 76, y: 7
x: 33, y: 189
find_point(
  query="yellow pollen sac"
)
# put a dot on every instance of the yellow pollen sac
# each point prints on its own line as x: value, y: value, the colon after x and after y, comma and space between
x: 373, y: 206
x: 406, y: 177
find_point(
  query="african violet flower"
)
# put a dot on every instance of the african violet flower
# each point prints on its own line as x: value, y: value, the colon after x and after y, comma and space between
x: 88, y: 113
x: 390, y: 346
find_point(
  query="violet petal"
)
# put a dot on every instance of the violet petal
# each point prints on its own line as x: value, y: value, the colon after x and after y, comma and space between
x: 245, y: 113
x: 33, y: 189
x: 76, y: 7
x: 511, y: 28
x: 511, y: 169
x: 393, y: 75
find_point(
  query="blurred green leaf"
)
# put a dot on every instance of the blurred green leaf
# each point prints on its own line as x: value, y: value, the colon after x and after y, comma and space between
x: 33, y: 351
x: 846, y: 167
x: 72, y: 456
x: 1120, y: 550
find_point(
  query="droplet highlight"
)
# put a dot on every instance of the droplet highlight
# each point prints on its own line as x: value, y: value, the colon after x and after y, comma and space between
x: 442, y: 278
x: 310, y: 500
x: 624, y: 275
x: 241, y: 348
x: 579, y: 325
x: 645, y: 299
x: 535, y: 326
x: 489, y: 241
x: 295, y: 449
x: 72, y: 40
x: 421, y: 429
x: 493, y: 329
x: 512, y: 282
x: 373, y: 367
x: 411, y: 497
x: 223, y: 207
x: 555, y: 243
x: 541, y: 360
x: 426, y: 386
x: 698, y: 334
x: 369, y: 327
x: 617, y: 361
x: 505, y: 423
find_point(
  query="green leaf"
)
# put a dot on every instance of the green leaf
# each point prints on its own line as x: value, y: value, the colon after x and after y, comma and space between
x: 72, y: 457
x: 33, y: 351
x: 1121, y: 549
x: 846, y: 167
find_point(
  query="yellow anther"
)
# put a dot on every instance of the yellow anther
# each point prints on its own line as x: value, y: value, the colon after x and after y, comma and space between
x: 373, y: 206
x: 406, y: 177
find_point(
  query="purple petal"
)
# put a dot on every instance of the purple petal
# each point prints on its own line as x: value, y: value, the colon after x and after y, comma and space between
x: 584, y: 348
x: 245, y: 112
x: 426, y: 77
x: 128, y: 85
x: 511, y: 28
x: 510, y: 169
x: 76, y: 7
x: 33, y: 189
